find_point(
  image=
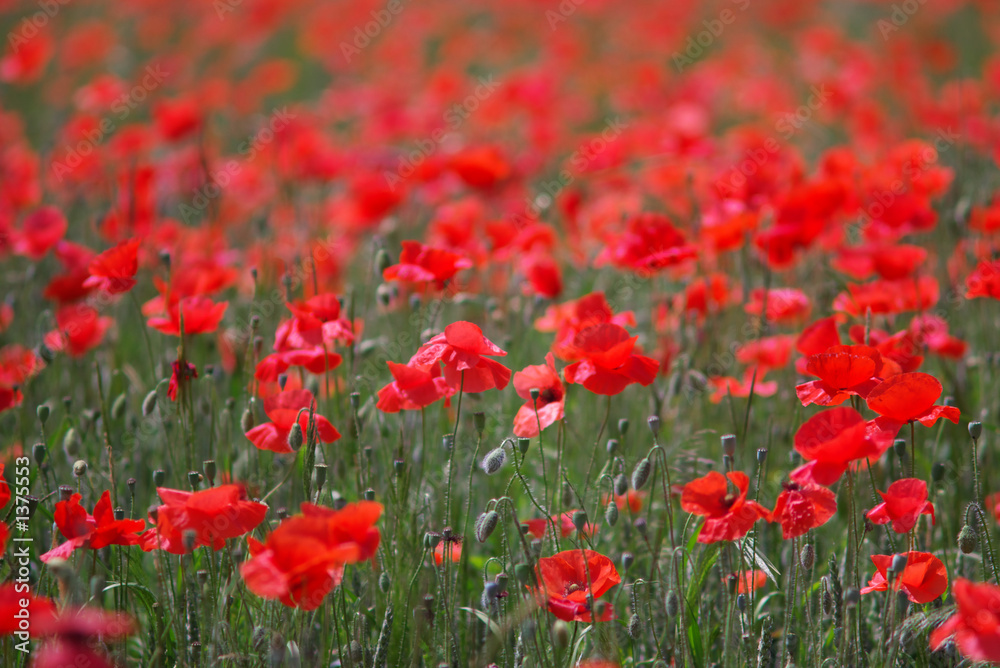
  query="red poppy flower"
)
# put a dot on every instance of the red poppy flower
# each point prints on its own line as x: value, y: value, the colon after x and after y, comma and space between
x: 902, y: 504
x: 831, y: 440
x: 464, y: 351
x: 726, y: 386
x: 180, y: 374
x: 69, y: 285
x: 932, y: 330
x: 314, y: 360
x: 453, y: 548
x: 843, y: 371
x: 889, y: 261
x: 201, y: 316
x: 284, y: 409
x: 78, y: 330
x: 607, y: 364
x: 481, y: 166
x: 784, y: 305
x: 815, y: 339
x: 568, y: 577
x: 114, y: 270
x: 551, y: 398
x: 801, y: 507
x: 537, y: 527
x: 73, y: 634
x: 975, y: 624
x: 423, y: 264
x: 17, y: 365
x: 40, y: 611
x: 414, y: 388
x: 984, y: 281
x: 901, y: 352
x: 40, y: 231
x: 767, y: 353
x: 632, y: 499
x: 303, y: 559
x: 214, y: 515
x: 728, y: 515
x: 882, y: 296
x: 910, y: 396
x: 316, y: 322
x: 4, y: 489
x: 94, y: 532
x: 923, y: 579
x: 749, y: 581
x: 650, y: 241
x: 570, y: 318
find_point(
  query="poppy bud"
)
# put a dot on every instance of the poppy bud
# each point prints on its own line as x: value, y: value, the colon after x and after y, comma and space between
x: 479, y: 421
x: 46, y: 353
x: 39, y: 452
x: 79, y: 468
x: 612, y: 446
x: 369, y: 494
x: 489, y: 597
x: 899, y: 447
x: 194, y: 478
x: 522, y: 445
x: 611, y: 514
x: 118, y: 407
x: 247, y: 421
x: 560, y: 634
x: 975, y: 430
x: 807, y: 556
x: 149, y: 403
x: 431, y: 540
x: 159, y: 477
x: 523, y: 574
x: 320, y: 474
x: 937, y: 471
x: 485, y: 525
x: 580, y: 519
x: 761, y: 455
x: 641, y: 473
x: 382, y: 261
x: 295, y: 436
x: 967, y: 540
x: 71, y: 442
x: 623, y: 426
x: 640, y: 526
x: 729, y: 445
x: 634, y: 627
x: 672, y: 603
x: 654, y: 424
x: 43, y: 413
x: 627, y: 560
x: 501, y: 580
x: 384, y: 582
x: 355, y: 399
x: 827, y: 603
x: 741, y: 602
x: 621, y: 484
x: 493, y: 461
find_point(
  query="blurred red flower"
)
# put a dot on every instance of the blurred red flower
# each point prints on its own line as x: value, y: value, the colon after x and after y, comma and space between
x: 114, y: 270
x: 285, y: 409
x: 923, y: 579
x: 976, y: 622
x: 423, y: 264
x: 214, y: 515
x: 728, y: 515
x: 92, y: 531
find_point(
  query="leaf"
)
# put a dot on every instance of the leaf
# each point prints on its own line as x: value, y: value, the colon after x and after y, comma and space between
x: 762, y: 562
x: 485, y: 619
x: 145, y: 596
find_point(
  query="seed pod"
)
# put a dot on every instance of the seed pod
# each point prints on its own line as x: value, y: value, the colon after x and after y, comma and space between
x: 899, y: 447
x: 627, y: 560
x: 494, y: 460
x: 159, y: 477
x: 807, y: 556
x: 485, y: 525
x: 479, y: 421
x: 967, y: 540
x: 729, y: 445
x: 975, y: 430
x: 634, y: 627
x: 611, y: 514
x: 898, y: 564
x: 560, y: 635
x: 622, y: 426
x: 39, y: 452
x: 654, y: 424
x: 612, y: 446
x: 247, y: 420
x: 369, y: 494
x: 522, y: 445
x: 741, y: 602
x: 71, y: 442
x: 640, y: 525
x: 641, y: 473
x: 761, y: 455
x: 43, y: 413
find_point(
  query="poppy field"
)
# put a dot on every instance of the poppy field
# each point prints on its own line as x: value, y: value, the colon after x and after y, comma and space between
x: 523, y: 333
